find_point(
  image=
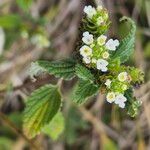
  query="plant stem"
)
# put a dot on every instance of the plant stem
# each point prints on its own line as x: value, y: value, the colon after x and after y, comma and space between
x: 9, y: 123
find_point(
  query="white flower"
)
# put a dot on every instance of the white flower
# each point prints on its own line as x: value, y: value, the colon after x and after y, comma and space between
x: 123, y: 76
x: 85, y: 51
x: 105, y: 55
x: 99, y: 21
x: 87, y: 38
x: 120, y: 100
x: 87, y: 60
x: 112, y: 44
x: 102, y: 65
x: 94, y: 60
x: 108, y: 83
x: 101, y: 40
x: 90, y: 11
x: 110, y: 97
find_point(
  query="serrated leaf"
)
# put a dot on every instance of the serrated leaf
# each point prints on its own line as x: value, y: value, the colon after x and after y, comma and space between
x: 126, y: 46
x: 133, y: 104
x: 83, y: 90
x: 41, y: 107
x: 10, y: 21
x: 62, y: 69
x: 24, y: 4
x: 55, y: 127
x: 83, y: 73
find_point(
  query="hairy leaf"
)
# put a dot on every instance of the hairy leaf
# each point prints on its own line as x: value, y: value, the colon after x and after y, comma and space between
x: 83, y: 90
x: 83, y: 73
x: 55, y: 127
x: 62, y: 69
x: 126, y: 46
x: 132, y: 103
x: 41, y: 107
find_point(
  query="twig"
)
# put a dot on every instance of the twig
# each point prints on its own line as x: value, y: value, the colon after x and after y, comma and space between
x: 5, y: 119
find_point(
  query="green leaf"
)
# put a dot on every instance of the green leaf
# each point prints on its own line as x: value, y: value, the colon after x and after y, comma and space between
x: 55, y: 127
x: 24, y: 4
x: 83, y: 90
x: 62, y: 69
x: 126, y: 46
x: 83, y: 73
x: 133, y: 104
x: 41, y: 107
x: 10, y: 21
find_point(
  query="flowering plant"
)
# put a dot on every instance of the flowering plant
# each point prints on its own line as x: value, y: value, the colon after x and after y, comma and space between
x: 98, y: 62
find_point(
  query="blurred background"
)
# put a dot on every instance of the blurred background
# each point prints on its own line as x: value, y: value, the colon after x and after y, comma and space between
x: 48, y: 30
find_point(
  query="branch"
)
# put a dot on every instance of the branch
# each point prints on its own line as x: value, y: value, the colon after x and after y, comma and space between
x: 5, y: 119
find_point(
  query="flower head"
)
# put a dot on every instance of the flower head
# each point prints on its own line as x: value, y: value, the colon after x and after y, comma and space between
x: 123, y: 76
x: 112, y: 44
x: 105, y: 55
x: 90, y: 11
x: 87, y: 38
x: 101, y: 40
x: 120, y: 100
x: 87, y: 60
x: 102, y: 65
x: 110, y: 97
x: 85, y: 51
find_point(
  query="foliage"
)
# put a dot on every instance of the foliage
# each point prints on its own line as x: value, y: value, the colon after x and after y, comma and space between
x: 83, y: 90
x: 55, y: 127
x: 62, y: 69
x: 98, y: 66
x: 126, y: 47
x: 41, y: 107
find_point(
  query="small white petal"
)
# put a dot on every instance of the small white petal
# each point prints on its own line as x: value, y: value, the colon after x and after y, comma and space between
x: 122, y: 105
x: 104, y: 69
x: 110, y: 97
x: 105, y: 55
x: 90, y: 11
x: 112, y: 44
x: 120, y: 100
x: 101, y: 40
x: 85, y: 51
x: 87, y: 60
x: 102, y: 65
x: 87, y: 38
x: 108, y: 83
x: 123, y: 76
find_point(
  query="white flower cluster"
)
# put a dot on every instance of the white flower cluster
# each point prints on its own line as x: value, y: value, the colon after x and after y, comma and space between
x: 116, y: 97
x: 96, y: 51
x: 99, y: 12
